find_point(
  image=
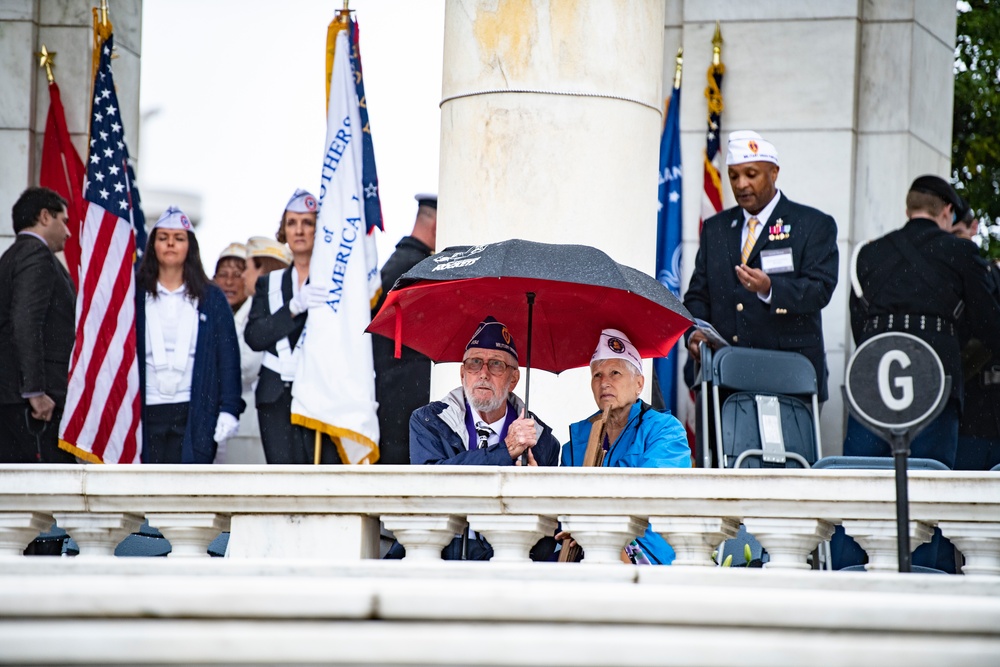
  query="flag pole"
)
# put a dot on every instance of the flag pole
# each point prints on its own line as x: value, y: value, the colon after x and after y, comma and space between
x: 680, y: 65
x: 317, y: 447
x: 47, y: 59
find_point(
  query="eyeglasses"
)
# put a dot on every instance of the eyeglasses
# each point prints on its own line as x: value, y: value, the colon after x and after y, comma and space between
x: 495, y: 366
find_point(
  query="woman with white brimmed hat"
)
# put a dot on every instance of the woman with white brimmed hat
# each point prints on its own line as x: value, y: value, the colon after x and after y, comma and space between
x: 189, y: 359
x: 625, y: 432
x: 278, y: 315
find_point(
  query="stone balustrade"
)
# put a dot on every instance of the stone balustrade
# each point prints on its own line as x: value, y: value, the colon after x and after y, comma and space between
x: 334, y: 512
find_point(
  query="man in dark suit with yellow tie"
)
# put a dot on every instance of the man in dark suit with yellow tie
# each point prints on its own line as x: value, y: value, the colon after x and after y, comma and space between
x: 37, y: 312
x: 767, y: 267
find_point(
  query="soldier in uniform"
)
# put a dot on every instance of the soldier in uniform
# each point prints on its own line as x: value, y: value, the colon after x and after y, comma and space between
x: 979, y: 427
x: 922, y: 280
x: 402, y: 385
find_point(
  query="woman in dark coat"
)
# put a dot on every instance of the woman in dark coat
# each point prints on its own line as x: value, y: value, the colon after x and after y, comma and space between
x: 189, y: 358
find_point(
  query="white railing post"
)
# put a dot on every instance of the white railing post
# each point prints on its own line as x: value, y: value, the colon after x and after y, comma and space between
x: 511, y: 535
x: 424, y: 536
x: 602, y: 538
x: 878, y: 539
x: 788, y: 541
x: 694, y: 538
x: 98, y: 533
x: 18, y: 529
x: 189, y: 534
x: 978, y: 542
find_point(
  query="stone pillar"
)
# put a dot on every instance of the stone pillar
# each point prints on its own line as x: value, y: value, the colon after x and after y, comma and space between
x: 550, y: 122
x: 64, y: 26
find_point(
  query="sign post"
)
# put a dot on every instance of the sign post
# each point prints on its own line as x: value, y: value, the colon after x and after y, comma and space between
x: 895, y: 386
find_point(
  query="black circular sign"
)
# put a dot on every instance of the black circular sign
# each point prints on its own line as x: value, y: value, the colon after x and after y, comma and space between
x: 895, y: 380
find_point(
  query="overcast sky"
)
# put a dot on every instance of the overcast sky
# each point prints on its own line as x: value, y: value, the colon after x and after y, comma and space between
x: 232, y: 96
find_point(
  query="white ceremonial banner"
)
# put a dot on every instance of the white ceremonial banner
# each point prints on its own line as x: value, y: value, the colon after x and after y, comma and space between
x: 334, y: 389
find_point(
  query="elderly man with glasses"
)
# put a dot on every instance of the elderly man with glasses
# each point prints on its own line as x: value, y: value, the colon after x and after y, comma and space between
x: 482, y: 422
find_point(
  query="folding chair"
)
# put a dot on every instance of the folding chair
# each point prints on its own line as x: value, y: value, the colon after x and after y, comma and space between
x: 764, y: 419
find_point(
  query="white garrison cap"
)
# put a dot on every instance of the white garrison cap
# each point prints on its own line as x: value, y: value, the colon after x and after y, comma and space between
x: 237, y: 250
x: 265, y: 246
x: 747, y: 146
x: 302, y: 202
x: 173, y: 218
x: 614, y: 344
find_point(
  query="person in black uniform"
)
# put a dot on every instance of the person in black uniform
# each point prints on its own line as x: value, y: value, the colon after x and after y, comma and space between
x: 402, y: 385
x: 767, y: 267
x: 37, y: 331
x: 922, y: 280
x: 979, y: 427
x: 277, y: 317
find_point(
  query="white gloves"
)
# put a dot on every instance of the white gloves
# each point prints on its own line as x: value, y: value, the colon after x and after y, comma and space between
x: 226, y: 427
x: 309, y: 296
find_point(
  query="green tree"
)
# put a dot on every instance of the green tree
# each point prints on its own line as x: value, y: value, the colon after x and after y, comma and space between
x: 975, y: 150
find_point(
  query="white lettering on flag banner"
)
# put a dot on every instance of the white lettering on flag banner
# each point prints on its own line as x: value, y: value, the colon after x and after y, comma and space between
x: 334, y: 389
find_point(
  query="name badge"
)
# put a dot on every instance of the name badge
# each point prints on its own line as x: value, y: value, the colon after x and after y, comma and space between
x: 777, y: 261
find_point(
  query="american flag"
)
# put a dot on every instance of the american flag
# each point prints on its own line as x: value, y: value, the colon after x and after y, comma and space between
x: 101, y: 420
x: 711, y: 201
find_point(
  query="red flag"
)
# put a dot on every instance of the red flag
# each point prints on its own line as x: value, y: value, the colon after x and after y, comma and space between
x: 62, y: 171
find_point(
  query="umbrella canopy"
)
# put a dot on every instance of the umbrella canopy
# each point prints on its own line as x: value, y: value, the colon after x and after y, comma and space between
x: 578, y: 290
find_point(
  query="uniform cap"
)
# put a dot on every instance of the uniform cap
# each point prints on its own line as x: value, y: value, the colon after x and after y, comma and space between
x: 937, y: 186
x: 747, y: 146
x: 265, y: 246
x: 613, y: 344
x: 302, y: 202
x: 237, y: 250
x: 493, y: 335
x: 173, y: 218
x: 426, y: 199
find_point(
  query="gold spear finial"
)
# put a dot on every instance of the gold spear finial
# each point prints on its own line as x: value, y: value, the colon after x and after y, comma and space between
x: 47, y: 59
x: 717, y: 45
x: 345, y: 13
x: 680, y: 65
x: 104, y: 12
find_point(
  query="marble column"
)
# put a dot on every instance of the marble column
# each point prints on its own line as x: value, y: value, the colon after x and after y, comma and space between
x: 65, y: 27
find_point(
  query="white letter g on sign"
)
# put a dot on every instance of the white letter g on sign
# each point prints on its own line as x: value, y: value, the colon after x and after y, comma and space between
x: 904, y: 383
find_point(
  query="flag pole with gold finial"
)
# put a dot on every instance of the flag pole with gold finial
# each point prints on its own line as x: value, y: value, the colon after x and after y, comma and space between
x: 47, y: 59
x: 339, y: 22
x: 679, y: 60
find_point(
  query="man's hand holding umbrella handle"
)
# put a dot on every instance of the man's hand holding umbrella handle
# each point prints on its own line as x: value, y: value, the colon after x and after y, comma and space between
x: 521, y: 436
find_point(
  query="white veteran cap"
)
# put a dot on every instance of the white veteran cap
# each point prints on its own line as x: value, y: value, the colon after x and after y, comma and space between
x: 173, y: 218
x: 748, y: 146
x: 614, y: 344
x: 237, y: 250
x: 264, y: 246
x: 302, y: 202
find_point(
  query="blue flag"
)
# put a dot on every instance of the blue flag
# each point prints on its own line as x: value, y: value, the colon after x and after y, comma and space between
x: 668, y: 234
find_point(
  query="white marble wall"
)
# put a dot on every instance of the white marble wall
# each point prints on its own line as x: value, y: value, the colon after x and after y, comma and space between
x: 64, y: 26
x: 857, y: 98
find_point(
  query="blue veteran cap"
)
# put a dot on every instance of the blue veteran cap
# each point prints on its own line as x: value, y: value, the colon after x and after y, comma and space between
x: 493, y: 335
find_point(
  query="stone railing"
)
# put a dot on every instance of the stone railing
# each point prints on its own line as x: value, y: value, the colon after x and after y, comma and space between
x: 333, y: 513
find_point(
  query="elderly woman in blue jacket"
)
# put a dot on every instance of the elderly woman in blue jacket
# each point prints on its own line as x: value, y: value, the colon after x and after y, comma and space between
x: 189, y: 357
x: 625, y: 432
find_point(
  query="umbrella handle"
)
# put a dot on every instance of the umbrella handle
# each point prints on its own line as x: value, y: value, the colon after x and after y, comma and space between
x: 527, y: 369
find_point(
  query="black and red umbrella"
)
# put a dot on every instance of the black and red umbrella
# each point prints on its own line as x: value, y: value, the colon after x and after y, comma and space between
x: 555, y: 299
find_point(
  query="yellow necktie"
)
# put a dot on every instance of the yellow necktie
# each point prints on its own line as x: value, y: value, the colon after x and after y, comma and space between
x: 748, y: 246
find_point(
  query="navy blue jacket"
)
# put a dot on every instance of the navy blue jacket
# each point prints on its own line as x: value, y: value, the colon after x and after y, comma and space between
x: 215, y: 380
x: 438, y: 435
x: 792, y: 320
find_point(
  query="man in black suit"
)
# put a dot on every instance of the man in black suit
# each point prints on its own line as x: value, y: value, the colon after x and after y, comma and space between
x: 767, y: 267
x: 402, y: 385
x: 37, y: 330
